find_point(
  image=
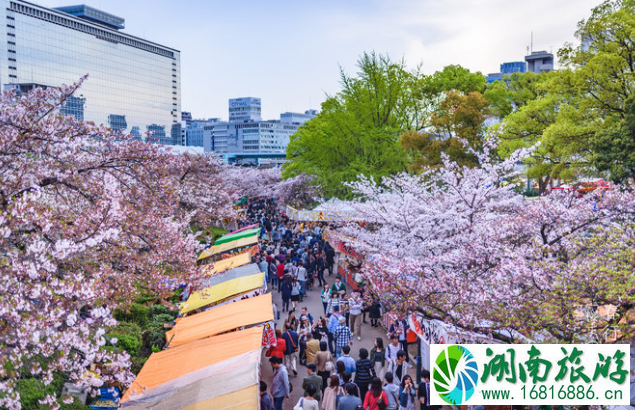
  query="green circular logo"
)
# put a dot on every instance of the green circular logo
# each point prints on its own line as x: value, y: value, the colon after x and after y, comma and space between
x: 455, y: 375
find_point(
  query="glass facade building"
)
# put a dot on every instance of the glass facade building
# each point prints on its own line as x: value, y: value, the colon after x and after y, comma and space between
x: 133, y: 84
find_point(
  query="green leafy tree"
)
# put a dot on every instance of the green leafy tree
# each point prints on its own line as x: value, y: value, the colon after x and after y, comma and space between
x: 614, y: 149
x: 460, y: 118
x: 357, y: 131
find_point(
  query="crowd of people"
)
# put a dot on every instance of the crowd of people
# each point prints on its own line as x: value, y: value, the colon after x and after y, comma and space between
x: 296, y: 259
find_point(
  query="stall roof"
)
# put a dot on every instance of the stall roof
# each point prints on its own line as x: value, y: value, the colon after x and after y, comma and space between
x: 225, y: 264
x: 236, y: 236
x: 222, y: 291
x: 239, y: 272
x: 172, y: 364
x: 228, y: 246
x: 221, y: 319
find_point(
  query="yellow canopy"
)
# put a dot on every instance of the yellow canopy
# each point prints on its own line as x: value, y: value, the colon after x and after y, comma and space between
x: 225, y: 264
x: 222, y: 291
x: 168, y: 365
x: 221, y: 319
x: 228, y: 246
x: 245, y: 399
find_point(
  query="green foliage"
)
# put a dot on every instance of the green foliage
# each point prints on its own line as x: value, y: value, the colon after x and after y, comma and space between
x: 459, y: 118
x: 614, y: 150
x: 129, y: 337
x: 32, y: 390
x: 357, y: 131
x: 137, y: 313
x: 154, y: 310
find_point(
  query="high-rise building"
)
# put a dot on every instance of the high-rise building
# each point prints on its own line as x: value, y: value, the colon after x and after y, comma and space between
x: 195, y: 131
x: 245, y: 133
x: 507, y: 69
x: 244, y: 109
x: 539, y: 61
x: 133, y: 84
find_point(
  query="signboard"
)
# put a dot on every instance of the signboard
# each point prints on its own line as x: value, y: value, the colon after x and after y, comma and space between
x: 524, y: 374
x: 269, y: 335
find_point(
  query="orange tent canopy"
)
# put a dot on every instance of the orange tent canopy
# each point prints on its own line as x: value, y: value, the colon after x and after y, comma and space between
x: 170, y: 364
x: 221, y: 319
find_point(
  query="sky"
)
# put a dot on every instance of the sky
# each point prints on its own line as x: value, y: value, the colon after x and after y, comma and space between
x: 288, y: 53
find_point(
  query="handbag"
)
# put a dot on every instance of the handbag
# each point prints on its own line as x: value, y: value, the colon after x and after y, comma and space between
x: 329, y: 366
x: 381, y: 403
x: 300, y: 405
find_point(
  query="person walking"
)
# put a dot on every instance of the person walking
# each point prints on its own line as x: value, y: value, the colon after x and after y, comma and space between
x: 291, y: 340
x: 292, y: 321
x: 392, y: 392
x: 334, y: 303
x: 355, y: 305
x: 302, y: 278
x: 321, y: 330
x: 375, y: 396
x: 374, y: 313
x: 330, y: 259
x: 285, y: 289
x: 280, y: 385
x: 378, y: 357
x: 342, y: 336
x: 319, y: 269
x: 348, y: 361
x: 331, y: 392
x: 322, y: 360
x: 407, y: 394
x: 266, y: 402
x: 313, y: 380
x: 295, y: 293
x: 325, y: 294
x: 273, y: 275
x: 334, y: 321
x: 338, y: 285
x: 398, y: 367
x: 364, y: 372
x: 303, y: 331
x: 312, y: 348
x: 424, y: 392
x: 279, y: 348
x: 349, y: 401
x: 308, y: 402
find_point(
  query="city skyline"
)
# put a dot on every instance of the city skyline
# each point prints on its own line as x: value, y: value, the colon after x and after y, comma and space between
x: 288, y: 53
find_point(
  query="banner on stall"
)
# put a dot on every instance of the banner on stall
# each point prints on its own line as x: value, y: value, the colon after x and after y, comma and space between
x: 319, y: 216
x: 269, y: 335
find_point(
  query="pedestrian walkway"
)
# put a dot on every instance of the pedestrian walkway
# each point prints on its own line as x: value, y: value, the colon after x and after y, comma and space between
x: 314, y: 305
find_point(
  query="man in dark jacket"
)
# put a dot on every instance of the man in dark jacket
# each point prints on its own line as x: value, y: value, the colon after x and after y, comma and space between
x: 293, y: 345
x: 423, y: 392
x: 313, y: 379
x: 330, y: 259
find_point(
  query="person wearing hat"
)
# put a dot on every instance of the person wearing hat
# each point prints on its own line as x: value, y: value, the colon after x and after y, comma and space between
x: 342, y: 336
x: 313, y: 380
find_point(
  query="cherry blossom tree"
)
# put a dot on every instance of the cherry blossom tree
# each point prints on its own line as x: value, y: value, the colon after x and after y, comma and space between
x: 88, y: 219
x: 460, y: 245
x: 267, y: 182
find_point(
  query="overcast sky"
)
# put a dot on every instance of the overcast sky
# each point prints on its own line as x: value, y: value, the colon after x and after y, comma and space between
x: 288, y: 52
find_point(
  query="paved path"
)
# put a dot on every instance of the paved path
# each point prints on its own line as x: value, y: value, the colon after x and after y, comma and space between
x: 314, y: 305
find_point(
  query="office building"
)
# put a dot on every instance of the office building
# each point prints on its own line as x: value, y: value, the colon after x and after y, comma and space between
x: 133, y: 85
x: 247, y: 136
x: 507, y: 69
x: 244, y: 109
x: 194, y: 131
x: 539, y: 61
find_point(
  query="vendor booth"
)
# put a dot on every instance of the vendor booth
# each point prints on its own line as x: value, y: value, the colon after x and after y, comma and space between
x: 229, y: 249
x: 226, y: 264
x: 201, y: 375
x: 221, y: 319
x: 239, y: 288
